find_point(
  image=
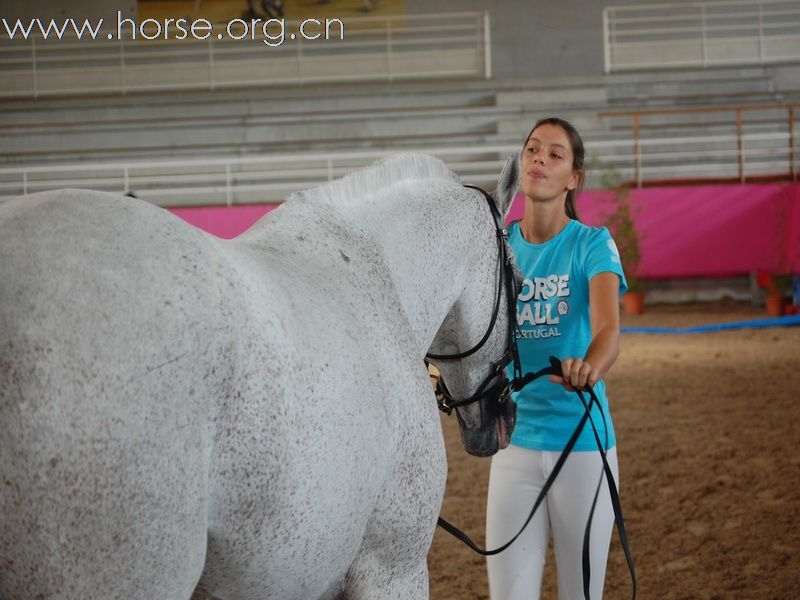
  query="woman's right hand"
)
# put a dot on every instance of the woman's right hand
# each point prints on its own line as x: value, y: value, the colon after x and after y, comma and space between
x: 576, y: 373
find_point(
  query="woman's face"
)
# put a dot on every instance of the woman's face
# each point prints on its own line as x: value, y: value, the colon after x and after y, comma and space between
x: 546, y: 163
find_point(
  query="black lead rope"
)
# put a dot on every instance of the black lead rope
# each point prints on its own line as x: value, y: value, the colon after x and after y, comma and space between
x: 615, y: 501
x: 555, y: 369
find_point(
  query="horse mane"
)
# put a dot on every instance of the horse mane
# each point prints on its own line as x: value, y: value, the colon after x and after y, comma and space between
x: 367, y: 182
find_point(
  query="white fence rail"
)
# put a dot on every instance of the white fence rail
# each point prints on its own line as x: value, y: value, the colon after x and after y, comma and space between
x: 373, y: 49
x: 700, y: 34
x: 271, y: 178
x: 756, y: 138
x: 231, y: 181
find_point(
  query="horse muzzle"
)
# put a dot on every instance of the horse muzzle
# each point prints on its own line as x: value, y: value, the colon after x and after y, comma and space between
x: 498, y: 416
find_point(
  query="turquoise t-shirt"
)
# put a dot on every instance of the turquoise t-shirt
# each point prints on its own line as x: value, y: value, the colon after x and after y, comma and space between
x: 553, y: 319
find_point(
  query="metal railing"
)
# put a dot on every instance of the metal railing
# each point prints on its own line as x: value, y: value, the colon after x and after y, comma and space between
x: 740, y: 142
x: 701, y: 34
x: 228, y: 181
x: 373, y: 49
x: 270, y: 178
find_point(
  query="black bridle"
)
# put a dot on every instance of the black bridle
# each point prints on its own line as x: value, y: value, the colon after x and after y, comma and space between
x: 498, y: 388
x: 496, y: 385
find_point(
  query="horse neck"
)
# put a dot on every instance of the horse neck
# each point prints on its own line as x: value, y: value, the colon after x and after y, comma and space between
x: 420, y: 234
x: 429, y: 246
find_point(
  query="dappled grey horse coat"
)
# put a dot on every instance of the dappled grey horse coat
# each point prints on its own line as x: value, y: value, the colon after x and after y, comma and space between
x: 251, y: 414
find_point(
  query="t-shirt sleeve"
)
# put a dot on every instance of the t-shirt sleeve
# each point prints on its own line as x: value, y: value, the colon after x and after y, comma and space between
x: 603, y: 257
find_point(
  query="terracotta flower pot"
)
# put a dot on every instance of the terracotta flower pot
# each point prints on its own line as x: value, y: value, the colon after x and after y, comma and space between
x: 633, y: 303
x: 774, y: 305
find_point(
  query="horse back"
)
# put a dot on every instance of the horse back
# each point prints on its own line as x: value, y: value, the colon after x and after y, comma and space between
x: 112, y: 325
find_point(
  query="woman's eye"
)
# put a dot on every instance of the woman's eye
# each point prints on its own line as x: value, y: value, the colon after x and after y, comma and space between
x: 554, y: 155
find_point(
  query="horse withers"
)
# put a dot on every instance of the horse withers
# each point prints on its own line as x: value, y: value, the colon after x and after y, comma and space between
x: 250, y: 415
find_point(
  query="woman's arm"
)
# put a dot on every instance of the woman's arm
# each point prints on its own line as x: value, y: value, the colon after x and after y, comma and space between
x: 604, y: 349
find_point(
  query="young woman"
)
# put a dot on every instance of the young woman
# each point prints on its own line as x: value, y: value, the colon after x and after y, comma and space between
x: 568, y: 308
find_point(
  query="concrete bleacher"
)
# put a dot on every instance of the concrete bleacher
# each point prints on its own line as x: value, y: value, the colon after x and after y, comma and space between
x: 336, y: 118
x: 240, y: 122
x: 692, y: 87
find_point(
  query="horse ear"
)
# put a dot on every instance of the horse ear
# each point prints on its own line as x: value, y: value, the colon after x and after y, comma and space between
x: 508, y: 184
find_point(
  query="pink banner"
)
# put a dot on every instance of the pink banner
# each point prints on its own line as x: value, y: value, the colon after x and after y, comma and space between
x: 707, y: 231
x: 224, y: 221
x: 791, y: 256
x: 700, y: 231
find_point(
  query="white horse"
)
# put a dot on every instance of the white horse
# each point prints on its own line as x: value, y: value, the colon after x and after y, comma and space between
x: 251, y: 415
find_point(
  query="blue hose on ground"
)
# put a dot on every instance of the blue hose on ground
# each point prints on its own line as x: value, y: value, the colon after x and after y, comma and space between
x: 785, y: 321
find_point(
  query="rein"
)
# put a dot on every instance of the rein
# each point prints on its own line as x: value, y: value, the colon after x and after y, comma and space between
x: 517, y: 384
x: 497, y: 386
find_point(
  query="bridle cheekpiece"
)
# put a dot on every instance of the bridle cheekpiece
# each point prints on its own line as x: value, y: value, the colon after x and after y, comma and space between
x: 496, y: 385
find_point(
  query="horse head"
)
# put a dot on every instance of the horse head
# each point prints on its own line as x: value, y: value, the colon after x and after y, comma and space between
x: 476, y: 342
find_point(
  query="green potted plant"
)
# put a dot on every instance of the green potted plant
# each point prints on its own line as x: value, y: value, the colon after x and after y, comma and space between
x: 623, y: 229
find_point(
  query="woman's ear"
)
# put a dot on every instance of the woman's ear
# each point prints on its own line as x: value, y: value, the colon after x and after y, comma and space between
x: 575, y: 180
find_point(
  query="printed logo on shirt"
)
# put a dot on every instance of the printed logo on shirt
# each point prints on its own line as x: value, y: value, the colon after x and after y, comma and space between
x: 541, y: 305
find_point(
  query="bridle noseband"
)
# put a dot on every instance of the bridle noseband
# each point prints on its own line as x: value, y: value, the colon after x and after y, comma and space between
x: 495, y: 385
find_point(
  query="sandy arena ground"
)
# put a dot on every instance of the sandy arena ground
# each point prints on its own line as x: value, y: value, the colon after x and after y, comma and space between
x: 709, y: 454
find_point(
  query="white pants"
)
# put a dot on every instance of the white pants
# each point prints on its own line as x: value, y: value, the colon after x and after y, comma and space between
x: 517, y: 476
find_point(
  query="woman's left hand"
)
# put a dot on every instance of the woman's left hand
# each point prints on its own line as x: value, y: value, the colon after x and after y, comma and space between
x: 576, y: 374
